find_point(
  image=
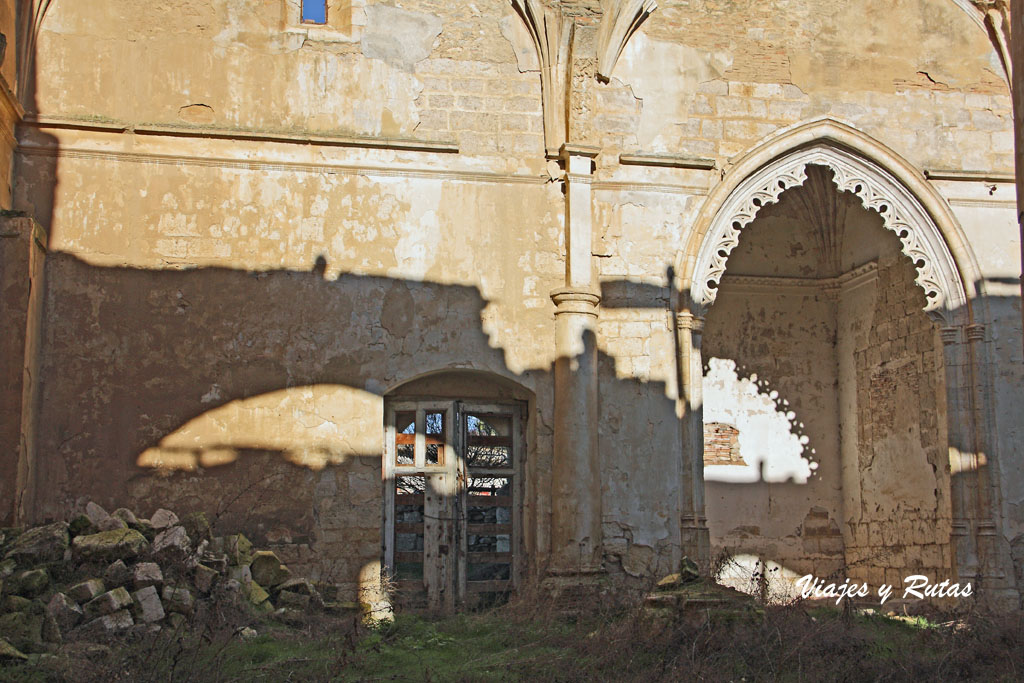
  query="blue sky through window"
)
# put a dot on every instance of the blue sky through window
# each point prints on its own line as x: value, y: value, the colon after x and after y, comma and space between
x: 314, y: 11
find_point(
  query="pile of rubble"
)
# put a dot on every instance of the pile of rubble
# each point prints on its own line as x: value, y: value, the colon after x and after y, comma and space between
x: 103, y: 574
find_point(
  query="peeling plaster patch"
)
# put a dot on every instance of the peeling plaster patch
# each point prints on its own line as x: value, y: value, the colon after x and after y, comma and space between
x: 197, y: 113
x: 212, y: 396
x: 399, y: 37
x: 515, y: 32
x: 772, y: 451
x: 652, y: 68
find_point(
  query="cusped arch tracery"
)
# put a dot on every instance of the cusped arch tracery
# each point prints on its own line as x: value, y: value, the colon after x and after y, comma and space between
x: 879, y: 191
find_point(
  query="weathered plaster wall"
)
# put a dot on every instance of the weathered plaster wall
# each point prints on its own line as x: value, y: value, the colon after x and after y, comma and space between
x: 191, y: 323
x: 896, y: 483
x: 918, y: 76
x: 782, y: 345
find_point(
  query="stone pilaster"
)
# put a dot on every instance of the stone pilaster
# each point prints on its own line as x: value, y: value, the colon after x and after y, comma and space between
x: 576, y: 470
x: 693, y: 525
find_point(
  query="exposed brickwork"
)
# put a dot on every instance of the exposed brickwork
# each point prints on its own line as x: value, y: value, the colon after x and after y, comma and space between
x: 721, y: 444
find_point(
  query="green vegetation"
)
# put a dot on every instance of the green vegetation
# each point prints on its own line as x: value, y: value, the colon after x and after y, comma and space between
x: 523, y: 642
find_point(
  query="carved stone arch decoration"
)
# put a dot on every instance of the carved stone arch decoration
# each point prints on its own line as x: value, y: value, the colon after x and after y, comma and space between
x: 763, y: 175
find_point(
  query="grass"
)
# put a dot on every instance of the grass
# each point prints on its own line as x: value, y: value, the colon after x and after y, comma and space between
x: 529, y: 642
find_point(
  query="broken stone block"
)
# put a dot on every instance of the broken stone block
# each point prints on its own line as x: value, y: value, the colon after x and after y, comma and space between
x: 254, y: 593
x: 197, y: 526
x: 126, y: 516
x: 688, y: 570
x: 292, y: 600
x: 64, y: 611
x: 40, y: 545
x: 148, y: 607
x: 204, y: 577
x: 163, y: 519
x: 238, y: 549
x: 216, y: 561
x: 15, y: 603
x: 118, y: 622
x: 108, y: 603
x: 110, y: 524
x: 176, y: 621
x: 51, y: 630
x: 267, y: 569
x: 178, y: 600
x: 9, y: 653
x: 248, y: 633
x: 242, y: 575
x: 172, y: 544
x: 87, y: 590
x: 146, y: 574
x: 23, y: 630
x: 117, y: 574
x: 7, y: 567
x: 107, y: 546
x: 95, y: 513
x: 28, y: 584
x: 81, y: 526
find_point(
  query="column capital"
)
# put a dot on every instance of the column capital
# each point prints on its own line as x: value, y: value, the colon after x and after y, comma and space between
x: 950, y: 335
x: 572, y: 149
x: 573, y: 300
x: 689, y: 321
x: 975, y: 332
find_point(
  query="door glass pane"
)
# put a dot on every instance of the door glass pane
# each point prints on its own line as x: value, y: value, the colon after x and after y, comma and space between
x: 489, y: 543
x: 408, y: 539
x: 405, y: 439
x: 488, y: 440
x: 489, y: 571
x: 435, y: 438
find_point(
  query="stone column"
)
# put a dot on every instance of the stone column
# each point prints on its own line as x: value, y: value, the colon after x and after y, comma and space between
x: 576, y: 469
x: 1017, y: 92
x: 961, y: 463
x: 693, y: 523
x: 22, y: 287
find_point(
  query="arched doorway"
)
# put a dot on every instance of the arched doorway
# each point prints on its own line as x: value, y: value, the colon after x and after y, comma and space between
x: 454, y: 473
x: 860, y: 215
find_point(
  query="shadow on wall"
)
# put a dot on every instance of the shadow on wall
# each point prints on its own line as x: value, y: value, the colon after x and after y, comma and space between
x: 258, y: 398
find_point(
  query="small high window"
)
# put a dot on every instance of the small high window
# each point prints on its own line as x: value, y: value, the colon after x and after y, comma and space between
x: 314, y: 11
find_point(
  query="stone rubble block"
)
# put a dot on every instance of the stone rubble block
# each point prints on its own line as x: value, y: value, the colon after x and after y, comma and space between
x: 119, y: 544
x: 108, y: 603
x: 22, y: 630
x: 216, y: 561
x: 15, y: 603
x: 40, y: 545
x: 117, y: 574
x: 267, y: 569
x: 148, y: 608
x: 178, y: 600
x: 255, y: 593
x: 163, y: 519
x: 28, y: 584
x: 86, y: 590
x: 9, y: 653
x: 95, y: 513
x: 238, y: 549
x: 242, y: 575
x: 111, y: 524
x: 117, y: 622
x: 64, y: 611
x: 172, y: 545
x: 7, y: 567
x: 293, y: 600
x: 146, y: 574
x: 81, y: 525
x: 204, y: 578
x: 126, y: 516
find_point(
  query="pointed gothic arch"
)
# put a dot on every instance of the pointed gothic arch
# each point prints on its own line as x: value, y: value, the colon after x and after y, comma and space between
x: 946, y: 270
x: 885, y: 182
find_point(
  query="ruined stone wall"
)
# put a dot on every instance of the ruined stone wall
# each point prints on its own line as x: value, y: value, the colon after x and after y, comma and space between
x: 778, y: 389
x: 897, y: 481
x: 259, y: 228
